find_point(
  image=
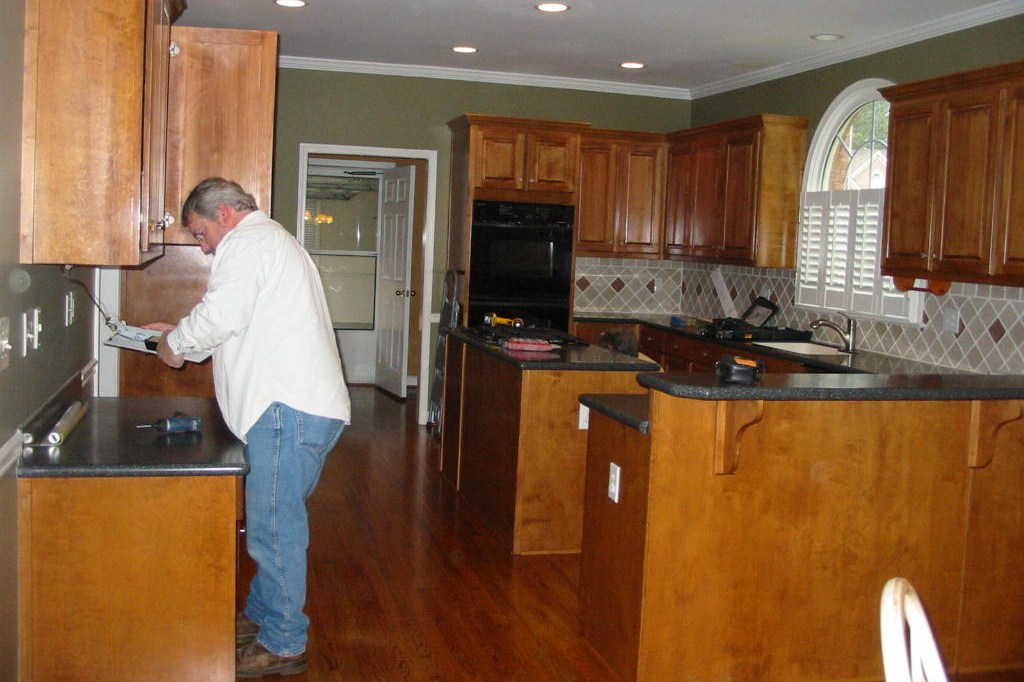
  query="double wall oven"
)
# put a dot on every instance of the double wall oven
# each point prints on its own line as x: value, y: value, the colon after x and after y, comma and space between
x: 521, y: 262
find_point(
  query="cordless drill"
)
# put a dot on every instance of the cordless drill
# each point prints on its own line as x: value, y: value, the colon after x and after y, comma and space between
x: 178, y: 423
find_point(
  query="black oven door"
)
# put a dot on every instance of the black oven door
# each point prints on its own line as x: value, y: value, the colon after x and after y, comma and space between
x: 521, y: 262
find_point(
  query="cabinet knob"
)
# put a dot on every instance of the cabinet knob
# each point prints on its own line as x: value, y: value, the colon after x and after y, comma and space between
x: 174, y: 49
x: 165, y: 223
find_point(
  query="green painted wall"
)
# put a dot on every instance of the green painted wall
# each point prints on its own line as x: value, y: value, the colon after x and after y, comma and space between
x: 809, y: 94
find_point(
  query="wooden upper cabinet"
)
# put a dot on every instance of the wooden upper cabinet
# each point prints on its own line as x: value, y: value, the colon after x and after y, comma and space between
x: 92, y: 171
x: 513, y: 159
x: 955, y: 179
x: 524, y: 159
x: 734, y: 191
x: 209, y: 65
x: 620, y: 205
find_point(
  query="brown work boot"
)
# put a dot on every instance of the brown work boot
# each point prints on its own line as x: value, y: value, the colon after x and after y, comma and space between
x: 255, y: 660
x: 245, y: 629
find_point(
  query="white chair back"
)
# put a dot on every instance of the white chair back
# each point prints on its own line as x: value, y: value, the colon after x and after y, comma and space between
x: 918, y: 659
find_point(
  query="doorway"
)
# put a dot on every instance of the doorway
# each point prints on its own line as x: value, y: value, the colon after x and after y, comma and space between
x: 361, y: 344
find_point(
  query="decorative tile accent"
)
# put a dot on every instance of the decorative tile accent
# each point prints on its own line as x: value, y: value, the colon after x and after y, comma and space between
x: 989, y: 338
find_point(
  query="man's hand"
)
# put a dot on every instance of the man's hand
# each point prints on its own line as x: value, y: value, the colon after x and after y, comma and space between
x: 163, y: 349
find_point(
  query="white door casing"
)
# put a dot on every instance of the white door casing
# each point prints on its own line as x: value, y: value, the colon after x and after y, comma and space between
x: 425, y: 290
x: 394, y: 275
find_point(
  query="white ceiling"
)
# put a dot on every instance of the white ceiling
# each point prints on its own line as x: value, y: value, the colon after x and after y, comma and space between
x: 692, y: 48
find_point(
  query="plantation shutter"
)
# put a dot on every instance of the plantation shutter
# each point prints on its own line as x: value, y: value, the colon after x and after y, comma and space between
x: 839, y: 257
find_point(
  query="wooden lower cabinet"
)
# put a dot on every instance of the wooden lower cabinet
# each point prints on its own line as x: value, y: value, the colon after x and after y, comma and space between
x: 751, y: 540
x: 522, y: 454
x: 127, y: 578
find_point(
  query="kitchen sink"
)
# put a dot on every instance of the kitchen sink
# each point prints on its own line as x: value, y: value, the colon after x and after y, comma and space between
x: 802, y: 347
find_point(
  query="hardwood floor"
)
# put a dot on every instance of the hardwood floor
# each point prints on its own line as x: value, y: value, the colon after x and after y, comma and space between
x: 406, y: 585
x: 404, y: 582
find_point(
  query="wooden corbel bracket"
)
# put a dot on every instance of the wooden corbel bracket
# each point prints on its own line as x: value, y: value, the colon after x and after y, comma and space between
x: 732, y: 419
x: 987, y: 418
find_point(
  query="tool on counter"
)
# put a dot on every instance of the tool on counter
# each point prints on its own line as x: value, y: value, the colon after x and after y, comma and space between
x: 735, y: 369
x: 178, y: 423
x: 494, y: 320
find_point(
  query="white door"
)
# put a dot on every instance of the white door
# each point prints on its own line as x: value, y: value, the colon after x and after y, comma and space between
x: 394, y: 288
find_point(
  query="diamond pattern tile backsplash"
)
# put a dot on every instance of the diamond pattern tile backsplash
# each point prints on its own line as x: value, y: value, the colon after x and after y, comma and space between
x: 990, y: 336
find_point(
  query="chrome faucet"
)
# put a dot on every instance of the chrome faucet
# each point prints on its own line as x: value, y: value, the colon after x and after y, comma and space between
x: 849, y: 335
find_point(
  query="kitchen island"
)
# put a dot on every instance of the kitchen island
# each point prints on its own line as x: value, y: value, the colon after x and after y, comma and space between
x: 756, y: 524
x: 127, y: 547
x: 511, y: 441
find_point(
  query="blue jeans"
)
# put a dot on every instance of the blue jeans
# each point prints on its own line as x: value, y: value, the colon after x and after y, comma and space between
x: 286, y: 450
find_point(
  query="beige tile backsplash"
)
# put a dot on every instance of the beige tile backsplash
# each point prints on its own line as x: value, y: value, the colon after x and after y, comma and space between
x: 990, y: 337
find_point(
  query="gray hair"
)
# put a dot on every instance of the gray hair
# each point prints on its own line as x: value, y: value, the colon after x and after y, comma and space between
x: 211, y: 193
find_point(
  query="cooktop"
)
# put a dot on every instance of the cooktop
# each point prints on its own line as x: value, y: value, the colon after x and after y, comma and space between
x: 490, y: 334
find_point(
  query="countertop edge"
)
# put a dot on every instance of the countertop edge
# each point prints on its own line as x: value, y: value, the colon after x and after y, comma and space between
x: 609, y: 362
x: 833, y: 387
x: 630, y: 409
x: 860, y: 362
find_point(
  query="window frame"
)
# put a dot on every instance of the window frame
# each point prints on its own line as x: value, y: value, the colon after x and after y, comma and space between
x: 882, y: 303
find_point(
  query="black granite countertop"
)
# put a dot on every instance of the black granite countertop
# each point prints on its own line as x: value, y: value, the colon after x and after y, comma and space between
x: 567, y: 357
x: 855, y: 363
x: 106, y: 443
x: 632, y: 409
x: 706, y: 386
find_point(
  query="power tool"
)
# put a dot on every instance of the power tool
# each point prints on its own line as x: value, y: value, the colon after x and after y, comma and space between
x: 178, y: 423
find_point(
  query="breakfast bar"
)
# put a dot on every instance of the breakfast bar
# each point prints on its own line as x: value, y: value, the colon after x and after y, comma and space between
x: 756, y: 524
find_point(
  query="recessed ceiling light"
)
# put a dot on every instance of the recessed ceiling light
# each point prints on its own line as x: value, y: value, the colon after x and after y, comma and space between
x: 290, y: 3
x: 464, y: 49
x: 552, y: 7
x: 632, y: 65
x: 826, y: 37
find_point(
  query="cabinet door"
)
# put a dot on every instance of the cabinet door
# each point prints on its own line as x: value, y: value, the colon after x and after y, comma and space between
x: 82, y: 160
x: 202, y: 141
x: 154, y: 123
x: 910, y: 187
x: 739, y: 210
x: 500, y: 158
x: 969, y: 139
x: 652, y: 342
x: 551, y: 161
x: 676, y: 239
x: 1009, y: 258
x: 703, y: 214
x: 640, y: 200
x: 595, y: 205
x: 211, y: 64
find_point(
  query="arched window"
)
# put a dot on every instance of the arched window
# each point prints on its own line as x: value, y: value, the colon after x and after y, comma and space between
x: 842, y: 209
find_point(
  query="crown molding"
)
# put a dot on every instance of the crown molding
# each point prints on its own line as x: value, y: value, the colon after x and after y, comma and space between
x: 995, y: 11
x: 932, y: 29
x: 499, y: 77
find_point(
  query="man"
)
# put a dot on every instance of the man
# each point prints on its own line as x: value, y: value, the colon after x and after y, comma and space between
x: 280, y: 387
